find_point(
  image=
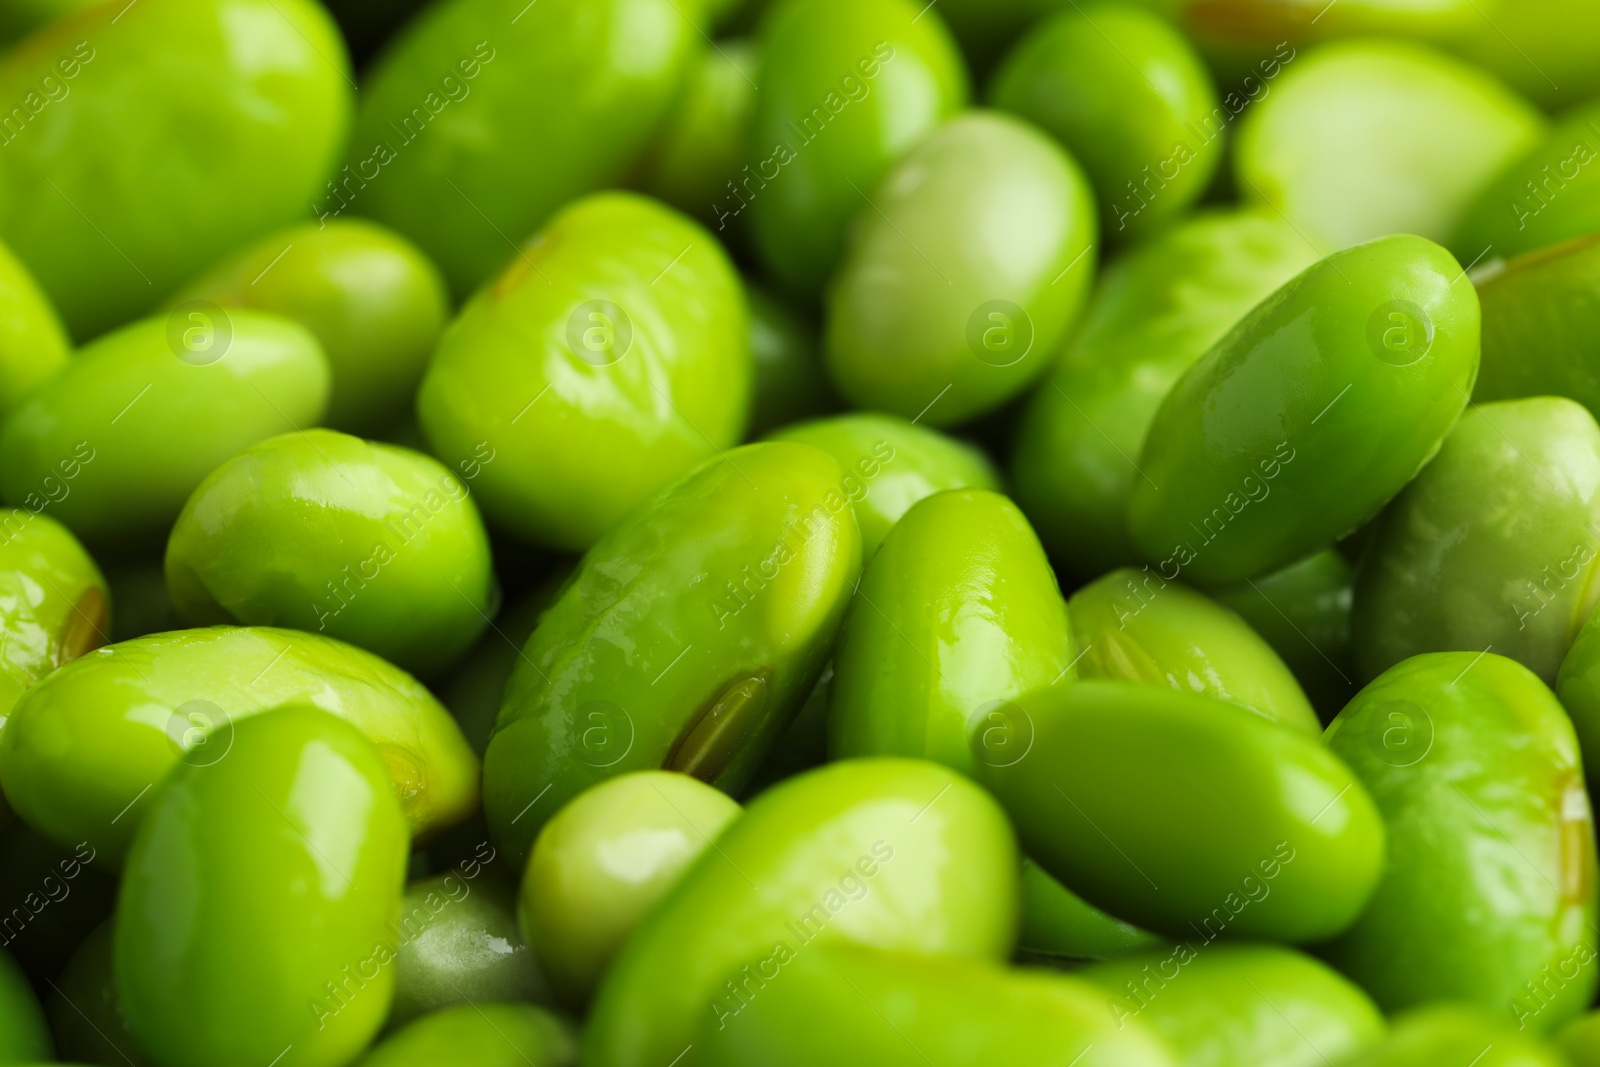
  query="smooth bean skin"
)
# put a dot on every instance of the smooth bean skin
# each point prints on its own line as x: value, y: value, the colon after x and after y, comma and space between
x: 1239, y: 1004
x: 1540, y: 311
x: 847, y: 88
x: 1219, y: 818
x: 1313, y: 411
x: 115, y: 443
x: 787, y: 382
x: 1058, y: 924
x: 1494, y: 543
x: 110, y: 210
x: 686, y: 640
x: 704, y: 138
x: 82, y: 746
x: 33, y: 343
x: 368, y: 543
x: 890, y: 464
x: 958, y: 287
x: 1155, y: 312
x: 1563, y: 34
x: 1446, y: 1034
x: 1135, y: 627
x: 1129, y: 98
x: 369, y: 296
x: 255, y: 886
x: 479, y: 1035
x: 604, y: 861
x: 54, y: 605
x: 967, y: 1013
x: 24, y: 1036
x: 1303, y: 612
x: 609, y: 359
x: 835, y: 854
x: 1490, y: 876
x: 472, y: 131
x: 1360, y: 139
x: 86, y: 1016
x: 459, y: 944
x: 956, y: 616
x: 473, y: 693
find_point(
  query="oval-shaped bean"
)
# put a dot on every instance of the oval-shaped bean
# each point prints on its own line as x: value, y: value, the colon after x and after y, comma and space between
x: 703, y: 140
x: 1488, y: 894
x: 115, y: 443
x: 398, y: 564
x: 109, y: 207
x: 33, y: 343
x: 883, y: 1009
x: 24, y: 1036
x: 847, y: 88
x: 787, y: 380
x: 1494, y: 545
x: 1155, y: 312
x: 686, y: 640
x: 1541, y: 312
x: 479, y: 1035
x: 960, y: 283
x: 1365, y: 138
x: 1132, y: 102
x: 1133, y: 626
x: 1224, y: 1004
x: 83, y: 749
x: 86, y: 1015
x: 956, y: 615
x: 295, y: 830
x: 1184, y: 814
x: 858, y: 851
x: 889, y: 464
x: 54, y: 605
x: 482, y: 118
x: 1457, y: 1033
x: 604, y: 861
x: 1313, y: 411
x: 609, y: 359
x: 1058, y: 924
x: 369, y: 296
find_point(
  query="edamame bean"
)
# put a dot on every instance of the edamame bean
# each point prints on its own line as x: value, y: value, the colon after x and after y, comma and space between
x: 602, y: 864
x: 115, y: 443
x: 609, y: 359
x: 33, y: 343
x: 1488, y: 894
x: 1492, y: 546
x: 956, y: 616
x: 858, y: 851
x: 959, y: 285
x: 704, y: 137
x: 295, y: 830
x: 480, y: 1035
x: 54, y: 606
x: 23, y: 1033
x: 108, y: 208
x: 1133, y: 626
x: 847, y: 88
x: 1540, y: 312
x: 1058, y: 924
x: 400, y: 568
x: 1451, y: 1033
x: 1184, y: 814
x: 369, y: 296
x: 1381, y: 347
x: 686, y: 640
x: 1578, y: 686
x: 84, y: 748
x: 1132, y: 102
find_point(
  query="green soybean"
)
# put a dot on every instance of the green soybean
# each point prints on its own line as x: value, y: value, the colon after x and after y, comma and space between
x: 1184, y: 814
x: 604, y: 861
x: 609, y: 359
x: 481, y: 119
x: 959, y: 285
x: 119, y: 438
x: 858, y: 851
x: 847, y: 88
x: 369, y: 297
x: 110, y: 210
x: 295, y: 830
x: 890, y: 464
x: 479, y: 1035
x: 1057, y: 924
x: 1578, y: 686
x: 1493, y: 545
x: 54, y: 605
x: 33, y: 343
x: 1540, y: 312
x: 1488, y: 892
x: 1226, y: 1004
x: 84, y: 748
x: 1154, y: 313
x: 1381, y: 348
x: 1453, y: 1033
x: 1128, y: 96
x: 701, y: 146
x: 365, y: 542
x: 787, y: 382
x: 956, y: 615
x: 1131, y: 625
x: 1564, y: 34
x: 23, y: 1033
x: 686, y: 640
